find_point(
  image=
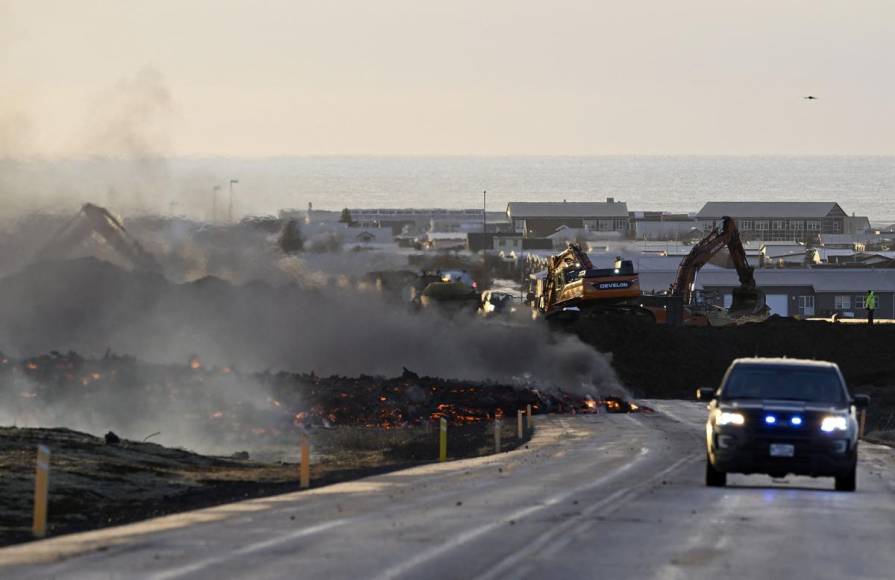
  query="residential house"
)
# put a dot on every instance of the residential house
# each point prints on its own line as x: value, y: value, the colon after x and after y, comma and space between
x: 445, y: 240
x: 659, y: 225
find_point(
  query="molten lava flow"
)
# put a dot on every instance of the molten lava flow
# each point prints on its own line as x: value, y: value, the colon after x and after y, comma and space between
x: 295, y: 401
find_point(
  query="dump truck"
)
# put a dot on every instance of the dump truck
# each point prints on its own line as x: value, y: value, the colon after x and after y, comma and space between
x: 450, y: 291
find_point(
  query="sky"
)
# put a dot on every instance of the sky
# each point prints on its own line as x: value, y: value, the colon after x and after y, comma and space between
x: 425, y: 77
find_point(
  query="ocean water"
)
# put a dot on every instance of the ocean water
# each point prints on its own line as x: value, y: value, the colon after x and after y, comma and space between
x: 863, y: 185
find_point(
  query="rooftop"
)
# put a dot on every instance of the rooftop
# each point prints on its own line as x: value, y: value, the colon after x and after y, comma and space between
x: 770, y: 209
x: 783, y: 362
x: 849, y: 280
x: 566, y: 209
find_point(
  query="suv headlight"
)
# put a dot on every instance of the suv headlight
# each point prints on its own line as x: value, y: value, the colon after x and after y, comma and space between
x: 725, y: 418
x: 834, y: 423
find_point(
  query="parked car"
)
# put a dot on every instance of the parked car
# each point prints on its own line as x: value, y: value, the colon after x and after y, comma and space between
x: 779, y: 417
x: 495, y: 303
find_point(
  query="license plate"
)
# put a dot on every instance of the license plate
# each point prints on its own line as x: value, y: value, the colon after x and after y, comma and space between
x: 782, y: 450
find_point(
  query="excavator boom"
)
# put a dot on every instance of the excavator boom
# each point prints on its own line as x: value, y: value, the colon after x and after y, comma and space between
x: 747, y: 298
x: 95, y: 219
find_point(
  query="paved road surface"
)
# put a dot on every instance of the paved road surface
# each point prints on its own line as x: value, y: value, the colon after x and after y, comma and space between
x: 607, y: 496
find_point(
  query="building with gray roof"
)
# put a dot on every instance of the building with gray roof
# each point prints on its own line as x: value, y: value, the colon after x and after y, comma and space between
x: 812, y: 291
x: 541, y: 219
x: 777, y: 220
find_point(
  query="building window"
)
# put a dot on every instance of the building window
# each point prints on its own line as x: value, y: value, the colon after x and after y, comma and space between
x: 806, y: 305
x: 842, y: 302
x: 796, y: 225
x: 604, y: 225
x: 762, y: 225
x: 778, y: 224
x: 747, y: 225
x: 519, y: 226
x: 859, y: 302
x: 589, y: 224
x: 832, y: 226
x: 812, y: 225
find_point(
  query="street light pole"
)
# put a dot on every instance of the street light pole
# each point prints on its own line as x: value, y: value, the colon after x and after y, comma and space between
x: 214, y: 203
x: 484, y: 219
x: 230, y: 215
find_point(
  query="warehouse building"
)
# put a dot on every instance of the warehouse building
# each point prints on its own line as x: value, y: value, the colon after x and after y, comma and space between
x: 782, y: 221
x: 542, y: 219
x: 812, y: 291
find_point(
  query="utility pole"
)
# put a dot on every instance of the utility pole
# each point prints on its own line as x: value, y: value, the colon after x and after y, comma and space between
x: 214, y: 203
x: 484, y: 220
x: 232, y: 181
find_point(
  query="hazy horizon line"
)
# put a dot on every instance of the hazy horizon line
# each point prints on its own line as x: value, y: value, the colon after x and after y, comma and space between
x: 203, y: 156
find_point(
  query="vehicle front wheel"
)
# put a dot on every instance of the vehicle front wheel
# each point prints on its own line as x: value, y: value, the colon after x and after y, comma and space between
x: 713, y: 477
x: 848, y: 481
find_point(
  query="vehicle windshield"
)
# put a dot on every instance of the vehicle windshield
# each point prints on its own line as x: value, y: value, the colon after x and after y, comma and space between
x: 816, y: 385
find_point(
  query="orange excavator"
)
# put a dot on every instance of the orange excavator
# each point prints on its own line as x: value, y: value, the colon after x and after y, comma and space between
x: 748, y: 301
x: 573, y: 288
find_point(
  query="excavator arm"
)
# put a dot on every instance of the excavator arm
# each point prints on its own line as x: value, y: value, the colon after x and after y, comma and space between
x: 747, y: 297
x: 95, y: 219
x: 572, y: 257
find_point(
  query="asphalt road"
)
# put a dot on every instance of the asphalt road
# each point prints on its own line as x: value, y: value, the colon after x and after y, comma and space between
x: 601, y: 496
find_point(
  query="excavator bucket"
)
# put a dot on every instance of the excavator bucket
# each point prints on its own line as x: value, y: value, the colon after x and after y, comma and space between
x: 747, y: 301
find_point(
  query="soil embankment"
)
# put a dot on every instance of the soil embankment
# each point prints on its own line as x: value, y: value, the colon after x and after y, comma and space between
x: 657, y: 361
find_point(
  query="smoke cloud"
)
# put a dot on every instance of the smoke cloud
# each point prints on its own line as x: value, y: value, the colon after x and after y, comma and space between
x: 231, y: 297
x: 91, y: 306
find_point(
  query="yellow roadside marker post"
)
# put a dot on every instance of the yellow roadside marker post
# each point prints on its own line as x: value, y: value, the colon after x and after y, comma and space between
x: 305, y: 469
x: 496, y: 435
x: 41, y: 489
x: 528, y: 418
x: 519, y: 432
x: 442, y: 440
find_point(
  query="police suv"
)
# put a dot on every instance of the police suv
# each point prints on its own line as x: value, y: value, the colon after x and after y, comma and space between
x: 779, y: 417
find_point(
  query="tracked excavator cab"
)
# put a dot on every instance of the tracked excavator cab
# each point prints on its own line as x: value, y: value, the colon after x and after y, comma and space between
x: 573, y: 289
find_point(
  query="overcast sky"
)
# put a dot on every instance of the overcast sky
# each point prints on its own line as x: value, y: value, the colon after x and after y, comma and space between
x: 252, y: 78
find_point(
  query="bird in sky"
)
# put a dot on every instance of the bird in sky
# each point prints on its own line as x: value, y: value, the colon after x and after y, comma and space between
x: 810, y: 98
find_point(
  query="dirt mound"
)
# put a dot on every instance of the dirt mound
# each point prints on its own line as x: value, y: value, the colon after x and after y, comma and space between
x: 658, y: 361
x: 95, y: 484
x: 662, y: 361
